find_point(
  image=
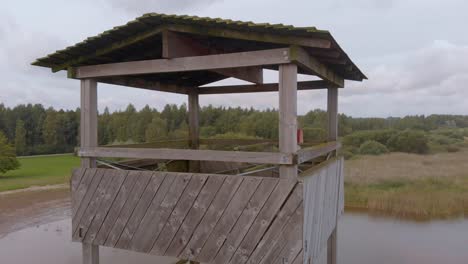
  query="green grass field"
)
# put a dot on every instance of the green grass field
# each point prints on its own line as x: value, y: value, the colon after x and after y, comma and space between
x: 39, y: 171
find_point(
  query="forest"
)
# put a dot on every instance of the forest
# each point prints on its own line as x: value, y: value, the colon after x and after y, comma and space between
x: 34, y: 129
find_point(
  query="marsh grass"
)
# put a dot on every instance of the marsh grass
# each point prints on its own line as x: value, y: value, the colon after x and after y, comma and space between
x: 409, y: 185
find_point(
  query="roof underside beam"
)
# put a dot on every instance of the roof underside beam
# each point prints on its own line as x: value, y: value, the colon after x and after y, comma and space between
x: 312, y: 66
x: 196, y: 63
x: 176, y: 45
x: 268, y: 87
x: 237, y: 61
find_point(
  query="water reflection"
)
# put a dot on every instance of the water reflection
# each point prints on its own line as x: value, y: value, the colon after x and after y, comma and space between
x: 363, y: 239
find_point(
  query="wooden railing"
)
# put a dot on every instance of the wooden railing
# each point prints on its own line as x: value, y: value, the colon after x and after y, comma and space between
x: 279, y: 158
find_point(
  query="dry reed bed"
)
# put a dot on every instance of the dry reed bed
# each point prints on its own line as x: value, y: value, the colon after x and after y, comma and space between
x: 409, y: 185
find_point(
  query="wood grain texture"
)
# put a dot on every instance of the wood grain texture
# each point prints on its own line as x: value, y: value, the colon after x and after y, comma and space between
x: 158, y: 213
x: 124, y: 193
x: 178, y: 214
x: 216, y: 185
x: 288, y: 116
x: 264, y: 218
x: 189, y: 154
x: 154, y: 193
x: 195, y: 63
x: 245, y: 221
x: 138, y: 190
x: 213, y: 218
x: 228, y: 220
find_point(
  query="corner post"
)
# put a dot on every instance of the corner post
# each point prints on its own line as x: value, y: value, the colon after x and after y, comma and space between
x: 194, y: 134
x: 332, y: 110
x: 88, y: 138
x: 288, y: 116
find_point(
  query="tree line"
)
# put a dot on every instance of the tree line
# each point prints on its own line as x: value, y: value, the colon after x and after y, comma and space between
x: 34, y: 129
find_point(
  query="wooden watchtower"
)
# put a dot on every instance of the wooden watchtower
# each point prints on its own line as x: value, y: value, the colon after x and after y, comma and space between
x: 223, y: 205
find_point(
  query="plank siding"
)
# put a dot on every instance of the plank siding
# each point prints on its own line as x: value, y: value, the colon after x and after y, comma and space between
x: 207, y: 217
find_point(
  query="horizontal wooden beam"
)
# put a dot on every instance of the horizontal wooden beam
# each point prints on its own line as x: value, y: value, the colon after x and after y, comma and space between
x: 254, y: 36
x: 257, y: 88
x: 307, y: 154
x: 313, y: 66
x: 189, y: 154
x: 196, y: 63
x: 144, y: 84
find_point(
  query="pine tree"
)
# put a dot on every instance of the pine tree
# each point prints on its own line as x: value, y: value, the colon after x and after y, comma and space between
x: 20, y: 138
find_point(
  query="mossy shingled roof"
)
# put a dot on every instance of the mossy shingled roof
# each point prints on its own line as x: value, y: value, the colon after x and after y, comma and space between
x: 104, y: 47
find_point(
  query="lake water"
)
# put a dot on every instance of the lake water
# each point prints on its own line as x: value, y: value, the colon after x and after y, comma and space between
x: 363, y: 239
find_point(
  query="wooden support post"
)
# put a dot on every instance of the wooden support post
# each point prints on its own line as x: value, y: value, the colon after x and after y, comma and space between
x: 88, y: 135
x: 194, y: 134
x: 288, y: 116
x: 332, y: 109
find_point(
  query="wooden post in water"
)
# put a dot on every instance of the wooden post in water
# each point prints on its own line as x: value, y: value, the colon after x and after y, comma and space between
x: 332, y: 109
x: 88, y: 137
x: 288, y: 116
x: 194, y: 134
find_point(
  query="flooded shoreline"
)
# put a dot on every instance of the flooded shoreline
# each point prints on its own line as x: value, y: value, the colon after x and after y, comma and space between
x: 39, y: 222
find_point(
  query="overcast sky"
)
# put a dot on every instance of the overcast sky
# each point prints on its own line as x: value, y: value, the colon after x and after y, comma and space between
x: 414, y: 52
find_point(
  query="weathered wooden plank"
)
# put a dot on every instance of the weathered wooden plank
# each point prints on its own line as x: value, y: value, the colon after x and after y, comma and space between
x: 178, y: 214
x: 288, y: 116
x: 118, y: 178
x: 244, y: 222
x: 289, y: 232
x: 196, y: 63
x: 264, y: 218
x: 190, y: 154
x: 227, y: 221
x: 140, y: 209
x: 293, y: 244
x: 213, y: 186
x: 299, y: 259
x: 137, y: 192
x: 85, y: 220
x: 141, y: 83
x: 124, y: 194
x: 314, y: 66
x: 332, y: 111
x: 310, y: 153
x: 194, y: 131
x: 158, y: 212
x: 79, y: 194
x: 95, y: 181
x: 274, y: 230
x: 257, y: 88
x: 77, y: 175
x: 211, y: 217
x: 90, y: 254
x: 88, y: 118
x: 176, y: 45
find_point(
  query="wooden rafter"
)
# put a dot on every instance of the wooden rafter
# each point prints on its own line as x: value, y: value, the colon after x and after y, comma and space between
x: 253, y: 36
x: 176, y: 45
x: 310, y: 64
x: 267, y: 87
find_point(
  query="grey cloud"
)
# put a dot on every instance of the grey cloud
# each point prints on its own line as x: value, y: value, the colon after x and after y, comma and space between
x: 140, y: 7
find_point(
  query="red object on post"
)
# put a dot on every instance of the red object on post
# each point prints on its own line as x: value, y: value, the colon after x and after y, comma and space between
x: 300, y: 136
